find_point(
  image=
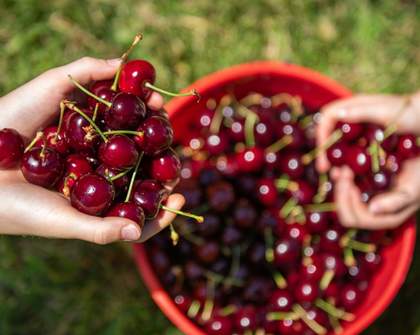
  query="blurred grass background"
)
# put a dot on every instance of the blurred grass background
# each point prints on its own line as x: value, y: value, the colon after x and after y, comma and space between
x: 68, y: 287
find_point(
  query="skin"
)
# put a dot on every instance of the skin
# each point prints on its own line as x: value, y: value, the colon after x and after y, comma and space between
x: 389, y: 209
x: 27, y: 209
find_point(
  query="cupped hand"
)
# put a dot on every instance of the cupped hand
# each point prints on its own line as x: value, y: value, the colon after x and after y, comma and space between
x: 26, y: 209
x: 403, y: 112
x: 384, y: 211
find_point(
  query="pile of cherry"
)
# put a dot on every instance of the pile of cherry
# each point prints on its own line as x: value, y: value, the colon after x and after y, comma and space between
x: 110, y: 156
x: 271, y: 256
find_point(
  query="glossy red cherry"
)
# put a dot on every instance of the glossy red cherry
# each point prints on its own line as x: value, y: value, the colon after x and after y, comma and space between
x: 156, y: 135
x: 336, y: 154
x: 316, y: 222
x: 245, y: 319
x: 165, y: 167
x: 297, y: 135
x: 380, y: 181
x: 118, y: 152
x: 370, y: 261
x: 244, y: 213
x: 102, y: 89
x: 219, y: 325
x: 267, y: 192
x: 76, y: 166
x: 272, y: 160
x: 296, y: 231
x: 291, y: 327
x: 407, y: 147
x: 11, y: 148
x: 54, y: 141
x: 351, y: 131
x: 312, y: 271
x: 220, y: 196
x: 149, y: 194
x: 349, y: 297
x: 107, y: 172
x: 183, y: 302
x: 236, y: 131
x: 286, y: 252
x: 330, y: 240
x: 227, y: 165
x: 128, y: 210
x: 291, y: 164
x: 216, y: 144
x: 42, y: 166
x: 202, y: 120
x: 92, y: 194
x: 263, y: 133
x: 306, y: 291
x: 126, y: 112
x: 358, y: 160
x: 304, y: 192
x: 208, y: 252
x: 281, y: 300
x: 134, y: 75
x: 332, y: 261
x: 79, y: 133
x: 250, y: 159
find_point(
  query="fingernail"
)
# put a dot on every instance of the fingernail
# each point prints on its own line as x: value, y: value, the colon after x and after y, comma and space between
x: 130, y: 233
x: 114, y: 62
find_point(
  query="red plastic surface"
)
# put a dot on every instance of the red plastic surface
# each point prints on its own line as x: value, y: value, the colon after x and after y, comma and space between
x: 315, y: 90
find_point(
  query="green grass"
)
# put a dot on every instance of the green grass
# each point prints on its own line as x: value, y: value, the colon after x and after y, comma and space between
x: 68, y: 287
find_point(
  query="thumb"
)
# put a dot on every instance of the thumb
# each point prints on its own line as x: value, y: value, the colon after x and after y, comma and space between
x: 390, y: 202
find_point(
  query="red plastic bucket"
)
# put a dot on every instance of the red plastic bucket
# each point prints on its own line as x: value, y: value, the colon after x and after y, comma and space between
x: 315, y: 90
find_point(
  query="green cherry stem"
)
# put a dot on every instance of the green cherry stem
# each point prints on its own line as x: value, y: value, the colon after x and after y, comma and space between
x: 323, y: 207
x: 70, y: 105
x: 326, y: 279
x: 280, y: 280
x: 123, y: 132
x: 133, y: 178
x: 217, y: 118
x: 120, y: 175
x: 197, y: 218
x: 250, y: 121
x: 95, y: 112
x: 278, y: 316
x: 312, y: 324
x: 333, y: 311
x: 311, y: 155
x: 194, y: 309
x: 269, y: 241
x: 37, y: 137
x: 60, y: 121
x: 193, y: 92
x: 86, y: 91
x: 280, y: 144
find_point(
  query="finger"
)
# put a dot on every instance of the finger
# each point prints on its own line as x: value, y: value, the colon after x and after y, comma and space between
x: 341, y: 196
x: 155, y: 101
x: 390, y: 202
x: 175, y: 201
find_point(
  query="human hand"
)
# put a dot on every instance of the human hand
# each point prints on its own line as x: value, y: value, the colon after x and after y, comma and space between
x: 384, y: 211
x: 26, y: 209
x: 380, y: 109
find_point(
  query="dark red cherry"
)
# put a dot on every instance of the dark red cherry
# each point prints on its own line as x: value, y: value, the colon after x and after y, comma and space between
x: 268, y: 219
x: 291, y: 164
x: 149, y: 194
x: 332, y: 261
x: 357, y: 273
x: 336, y: 154
x: 193, y: 270
x: 54, y: 141
x: 304, y: 192
x: 393, y: 163
x: 380, y: 181
x: 219, y: 325
x: 306, y: 291
x: 220, y: 196
x: 250, y: 159
x: 183, y: 302
x: 118, y: 152
x: 330, y: 240
x: 236, y: 131
x: 267, y: 192
x: 286, y: 252
x: 231, y: 235
x: 209, y: 176
x: 191, y: 192
x: 165, y: 167
x: 208, y: 252
x: 11, y: 148
x: 128, y: 210
x: 256, y: 253
x: 281, y: 300
x: 76, y: 166
x: 351, y: 131
x: 227, y: 165
x: 108, y: 173
x: 316, y: 222
x: 210, y: 226
x: 349, y: 297
x: 258, y: 289
x: 318, y: 316
x: 263, y: 133
x: 245, y: 319
x: 101, y: 89
x: 221, y: 266
x: 216, y: 144
x: 296, y: 231
x: 126, y: 112
x: 291, y: 327
x: 407, y: 147
x: 370, y: 261
x: 272, y: 160
x: 298, y: 136
x: 42, y: 166
x: 92, y: 194
x: 358, y: 160
x: 202, y: 119
x: 244, y: 213
x: 134, y: 75
x: 79, y: 133
x: 312, y: 271
x: 156, y: 135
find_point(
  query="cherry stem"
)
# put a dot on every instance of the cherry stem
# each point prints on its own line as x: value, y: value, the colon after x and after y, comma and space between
x: 60, y: 121
x: 86, y: 91
x: 284, y: 183
x: 374, y: 153
x: 174, y: 235
x: 236, y: 261
x: 217, y: 118
x: 324, y: 207
x: 322, y: 188
x: 124, y: 58
x: 306, y: 121
x: 280, y: 280
x: 194, y: 309
x: 260, y: 331
x: 269, y: 241
x: 250, y: 120
x: 120, y: 175
x: 95, y: 112
x: 288, y: 207
x: 326, y: 279
x: 37, y: 137
x: 311, y: 155
x: 197, y: 218
x: 280, y: 144
x: 334, y: 311
x: 335, y: 324
x: 209, y: 303
x: 228, y: 310
x: 278, y: 316
x: 133, y: 178
x: 361, y: 246
x: 291, y: 101
x: 73, y: 107
x: 193, y: 92
x: 349, y: 259
x: 123, y: 132
x: 312, y: 324
x: 251, y: 99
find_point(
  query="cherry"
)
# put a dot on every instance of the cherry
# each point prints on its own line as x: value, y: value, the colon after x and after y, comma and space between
x: 370, y: 261
x: 79, y: 133
x: 306, y: 291
x: 118, y: 152
x: 349, y: 297
x: 267, y: 192
x: 250, y: 159
x: 256, y: 253
x: 263, y: 133
x: 126, y: 112
x: 55, y: 141
x: 76, y: 166
x: 193, y: 270
x: 208, y: 252
x: 336, y: 154
x: 128, y: 210
x: 351, y: 131
x: 245, y: 319
x: 304, y: 192
x: 286, y: 252
x: 291, y: 327
x: 297, y: 135
x: 244, y: 213
x: 102, y: 89
x: 134, y: 75
x: 202, y: 119
x: 281, y: 300
x: 149, y: 195
x: 11, y: 148
x: 92, y: 194
x: 316, y: 222
x: 183, y: 302
x: 192, y: 193
x: 380, y: 181
x: 165, y: 167
x: 358, y: 160
x: 210, y: 226
x: 236, y: 131
x: 296, y: 231
x: 407, y: 147
x: 156, y: 135
x: 227, y: 165
x: 291, y: 165
x: 312, y: 271
x: 357, y: 273
x: 332, y: 261
x: 220, y: 196
x: 272, y: 160
x: 231, y: 235
x: 393, y: 163
x: 220, y: 266
x: 258, y: 290
x: 209, y: 176
x: 219, y: 325
x: 109, y: 173
x: 42, y: 166
x: 318, y: 316
x: 330, y: 240
x: 270, y: 219
x: 216, y: 144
